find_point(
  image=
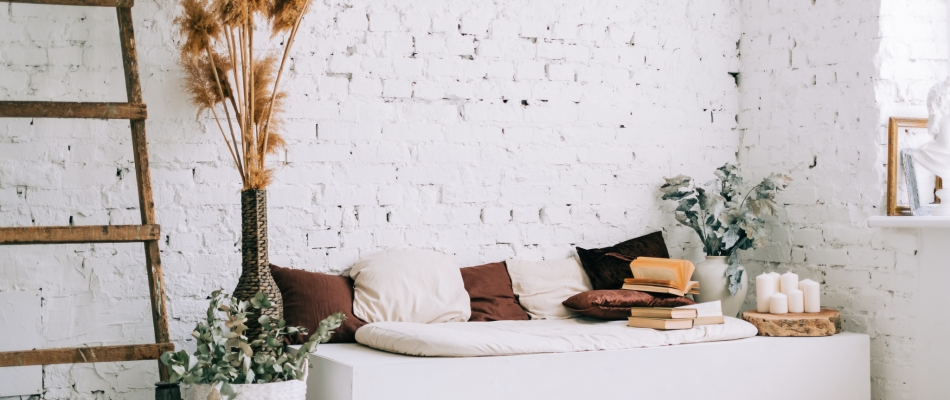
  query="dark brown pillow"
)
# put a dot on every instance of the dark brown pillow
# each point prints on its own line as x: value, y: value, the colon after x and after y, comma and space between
x: 489, y: 288
x: 616, y: 304
x: 609, y: 266
x: 309, y: 297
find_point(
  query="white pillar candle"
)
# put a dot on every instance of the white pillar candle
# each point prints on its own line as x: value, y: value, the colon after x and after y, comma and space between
x: 778, y: 281
x: 801, y: 285
x: 812, y: 294
x: 778, y: 304
x: 796, y: 301
x: 789, y: 282
x: 764, y: 288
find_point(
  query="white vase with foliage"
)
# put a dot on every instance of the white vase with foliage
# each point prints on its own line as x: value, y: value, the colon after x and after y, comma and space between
x: 727, y: 219
x: 227, y: 365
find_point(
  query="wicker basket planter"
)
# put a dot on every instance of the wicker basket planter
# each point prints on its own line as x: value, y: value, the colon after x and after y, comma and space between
x: 287, y: 390
x: 255, y: 267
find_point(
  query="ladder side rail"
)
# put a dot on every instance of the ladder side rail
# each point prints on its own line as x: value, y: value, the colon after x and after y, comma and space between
x: 133, y: 88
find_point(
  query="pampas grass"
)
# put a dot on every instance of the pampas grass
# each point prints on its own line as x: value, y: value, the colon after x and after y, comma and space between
x: 223, y: 75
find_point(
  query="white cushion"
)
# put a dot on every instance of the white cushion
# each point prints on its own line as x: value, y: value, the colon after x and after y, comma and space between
x: 406, y: 285
x: 501, y: 338
x: 541, y: 286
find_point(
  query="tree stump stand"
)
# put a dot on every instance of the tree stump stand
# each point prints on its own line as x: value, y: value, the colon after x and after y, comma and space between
x: 824, y: 323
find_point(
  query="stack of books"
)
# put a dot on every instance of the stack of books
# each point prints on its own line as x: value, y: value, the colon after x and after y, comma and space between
x: 662, y: 275
x: 684, y: 317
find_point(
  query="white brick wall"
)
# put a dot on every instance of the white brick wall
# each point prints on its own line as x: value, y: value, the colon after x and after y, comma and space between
x: 487, y: 130
x: 819, y: 80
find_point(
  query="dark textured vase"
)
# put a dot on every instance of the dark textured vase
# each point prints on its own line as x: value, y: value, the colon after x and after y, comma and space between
x: 255, y: 267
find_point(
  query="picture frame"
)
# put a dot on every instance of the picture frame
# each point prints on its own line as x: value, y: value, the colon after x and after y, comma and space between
x: 894, y: 126
x: 909, y: 164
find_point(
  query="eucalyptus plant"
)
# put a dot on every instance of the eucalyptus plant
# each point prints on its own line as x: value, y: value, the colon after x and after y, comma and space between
x: 725, y: 219
x: 225, y: 356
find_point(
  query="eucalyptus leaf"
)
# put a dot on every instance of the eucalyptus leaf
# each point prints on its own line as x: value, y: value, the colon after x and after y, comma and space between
x: 726, y: 217
x: 225, y: 356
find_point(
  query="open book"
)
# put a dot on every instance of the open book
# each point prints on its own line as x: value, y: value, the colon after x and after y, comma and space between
x: 708, y: 313
x: 662, y: 275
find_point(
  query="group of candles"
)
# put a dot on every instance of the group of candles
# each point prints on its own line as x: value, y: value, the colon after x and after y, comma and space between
x: 782, y: 294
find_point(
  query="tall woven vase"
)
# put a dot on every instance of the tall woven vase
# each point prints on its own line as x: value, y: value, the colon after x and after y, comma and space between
x: 255, y: 267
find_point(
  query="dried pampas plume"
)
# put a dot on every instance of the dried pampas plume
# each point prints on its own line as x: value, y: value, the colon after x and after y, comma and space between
x: 198, y: 26
x: 286, y: 13
x: 223, y: 75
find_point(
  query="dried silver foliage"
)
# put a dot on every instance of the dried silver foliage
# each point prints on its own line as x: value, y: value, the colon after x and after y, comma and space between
x: 724, y: 219
x: 225, y: 356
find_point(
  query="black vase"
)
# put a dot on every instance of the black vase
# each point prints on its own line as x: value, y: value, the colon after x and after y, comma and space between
x: 255, y: 267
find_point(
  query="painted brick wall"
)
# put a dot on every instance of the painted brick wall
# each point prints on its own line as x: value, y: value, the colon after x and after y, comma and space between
x: 819, y: 80
x: 493, y: 130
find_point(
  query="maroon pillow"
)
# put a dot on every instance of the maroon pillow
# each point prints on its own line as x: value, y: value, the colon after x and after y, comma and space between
x: 309, y: 297
x: 609, y: 266
x: 616, y: 304
x: 489, y: 288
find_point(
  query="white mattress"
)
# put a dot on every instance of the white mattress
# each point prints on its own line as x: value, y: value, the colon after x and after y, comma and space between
x: 501, y: 338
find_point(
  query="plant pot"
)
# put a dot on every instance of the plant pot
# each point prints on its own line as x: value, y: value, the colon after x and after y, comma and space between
x: 288, y: 390
x: 713, y: 285
x: 255, y: 266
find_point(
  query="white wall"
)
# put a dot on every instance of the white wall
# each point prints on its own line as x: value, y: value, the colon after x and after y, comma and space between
x: 819, y: 80
x: 423, y: 140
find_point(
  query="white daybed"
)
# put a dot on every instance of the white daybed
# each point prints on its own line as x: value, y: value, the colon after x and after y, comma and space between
x: 835, y: 367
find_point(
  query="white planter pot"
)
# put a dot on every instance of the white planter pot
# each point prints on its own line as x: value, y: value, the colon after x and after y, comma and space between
x: 711, y: 275
x: 288, y: 390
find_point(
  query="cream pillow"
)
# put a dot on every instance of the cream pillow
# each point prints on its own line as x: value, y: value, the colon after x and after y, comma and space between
x: 406, y: 285
x: 541, y: 286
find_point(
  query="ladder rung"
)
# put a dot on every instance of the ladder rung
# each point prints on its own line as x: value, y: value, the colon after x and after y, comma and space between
x: 96, y: 3
x: 79, y: 234
x: 132, y: 352
x: 58, y: 109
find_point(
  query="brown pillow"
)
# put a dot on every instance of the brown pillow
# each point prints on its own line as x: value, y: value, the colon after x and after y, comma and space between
x: 309, y: 297
x: 616, y: 304
x: 609, y: 266
x: 489, y: 288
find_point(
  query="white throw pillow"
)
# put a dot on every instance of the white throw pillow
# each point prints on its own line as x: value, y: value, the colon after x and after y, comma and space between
x: 541, y: 286
x: 406, y: 285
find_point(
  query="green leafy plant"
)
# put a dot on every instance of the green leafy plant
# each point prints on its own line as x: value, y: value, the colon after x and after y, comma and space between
x: 724, y: 218
x: 225, y: 356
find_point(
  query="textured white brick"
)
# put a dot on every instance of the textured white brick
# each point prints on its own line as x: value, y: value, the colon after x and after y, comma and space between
x: 560, y: 72
x: 534, y: 29
x: 529, y: 70
x: 397, y: 88
x: 496, y: 215
x: 352, y: 20
x: 361, y: 86
x: 444, y: 23
x: 556, y: 215
x: 324, y: 238
x: 503, y: 28
x: 474, y: 25
x: 525, y: 214
x: 383, y: 22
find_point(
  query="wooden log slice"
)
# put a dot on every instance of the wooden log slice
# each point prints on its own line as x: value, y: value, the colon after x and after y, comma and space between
x: 824, y: 323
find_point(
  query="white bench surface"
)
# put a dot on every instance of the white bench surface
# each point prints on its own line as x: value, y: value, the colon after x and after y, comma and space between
x: 834, y: 367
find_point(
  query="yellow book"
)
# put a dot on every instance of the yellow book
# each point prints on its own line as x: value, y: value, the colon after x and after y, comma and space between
x: 660, y: 289
x: 672, y: 273
x: 659, y: 323
x: 662, y: 312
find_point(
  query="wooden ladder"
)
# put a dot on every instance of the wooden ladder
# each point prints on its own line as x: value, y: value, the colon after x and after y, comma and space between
x: 147, y: 233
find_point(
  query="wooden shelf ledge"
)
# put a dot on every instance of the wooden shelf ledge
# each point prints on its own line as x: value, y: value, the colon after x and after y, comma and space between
x: 61, y: 109
x: 909, y: 222
x: 79, y: 234
x: 75, y: 355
